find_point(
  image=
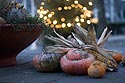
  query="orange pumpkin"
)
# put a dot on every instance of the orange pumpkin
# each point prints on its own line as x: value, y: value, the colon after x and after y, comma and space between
x: 96, y: 69
x: 117, y: 57
x: 76, y: 62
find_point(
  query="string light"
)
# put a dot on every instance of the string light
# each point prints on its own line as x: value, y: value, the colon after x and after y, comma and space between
x: 54, y: 22
x: 63, y: 25
x: 45, y: 17
x: 42, y: 3
x: 69, y: 24
x: 84, y: 8
x: 90, y: 3
x: 82, y: 20
x: 88, y: 22
x: 48, y: 15
x: 59, y: 8
x: 76, y: 2
x: 65, y: 7
x: 78, y: 24
x: 62, y: 19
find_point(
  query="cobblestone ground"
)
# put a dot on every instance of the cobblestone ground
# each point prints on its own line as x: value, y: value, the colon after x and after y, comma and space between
x: 24, y: 72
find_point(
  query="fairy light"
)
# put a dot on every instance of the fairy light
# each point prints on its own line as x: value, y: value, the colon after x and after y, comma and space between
x: 55, y: 22
x: 52, y: 25
x: 42, y: 3
x: 44, y: 12
x: 84, y: 8
x: 65, y: 7
x: 41, y: 16
x: 88, y: 22
x: 78, y: 24
x: 72, y: 5
x: 69, y: 24
x: 38, y: 11
x: 76, y: 2
x: 77, y: 19
x: 59, y: 8
x: 62, y: 19
x: 82, y: 20
x: 48, y: 15
x: 90, y: 3
x: 63, y: 25
x: 45, y: 17
x: 69, y: 7
x: 52, y: 13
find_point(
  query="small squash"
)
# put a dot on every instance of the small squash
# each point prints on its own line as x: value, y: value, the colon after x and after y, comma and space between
x: 47, y: 62
x: 96, y: 69
x: 117, y: 57
x: 76, y: 62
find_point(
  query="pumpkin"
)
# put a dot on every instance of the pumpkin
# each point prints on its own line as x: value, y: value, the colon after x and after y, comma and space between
x: 96, y: 69
x: 47, y: 62
x: 123, y: 60
x: 117, y: 57
x: 76, y: 62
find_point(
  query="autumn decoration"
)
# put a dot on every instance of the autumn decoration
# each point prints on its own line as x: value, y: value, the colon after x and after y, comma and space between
x: 47, y: 61
x: 96, y: 69
x: 117, y: 57
x: 84, y: 40
x: 76, y: 62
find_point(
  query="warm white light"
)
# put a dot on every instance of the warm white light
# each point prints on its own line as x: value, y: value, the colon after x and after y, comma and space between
x: 63, y: 25
x: 88, y: 15
x: 82, y: 20
x: 78, y: 24
x: 58, y: 26
x: 90, y: 3
x: 67, y: 0
x: 77, y: 19
x: 41, y: 16
x: 82, y: 16
x: 59, y: 8
x: 69, y: 24
x: 52, y: 13
x: 49, y: 15
x: 88, y: 22
x: 76, y: 2
x: 42, y: 3
x: 62, y: 19
x: 45, y: 17
x: 54, y: 22
x: 44, y: 12
x: 69, y: 8
x: 84, y: 8
x: 52, y: 25
x: 65, y: 7
x: 41, y: 8
x: 72, y: 5
x: 38, y: 11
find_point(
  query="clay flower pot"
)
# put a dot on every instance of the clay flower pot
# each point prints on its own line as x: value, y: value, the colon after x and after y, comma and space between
x: 14, y: 38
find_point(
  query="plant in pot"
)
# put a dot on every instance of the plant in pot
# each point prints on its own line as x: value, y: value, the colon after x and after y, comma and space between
x: 18, y: 29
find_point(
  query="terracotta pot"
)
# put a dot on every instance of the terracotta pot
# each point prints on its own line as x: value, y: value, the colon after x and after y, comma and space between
x: 14, y: 38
